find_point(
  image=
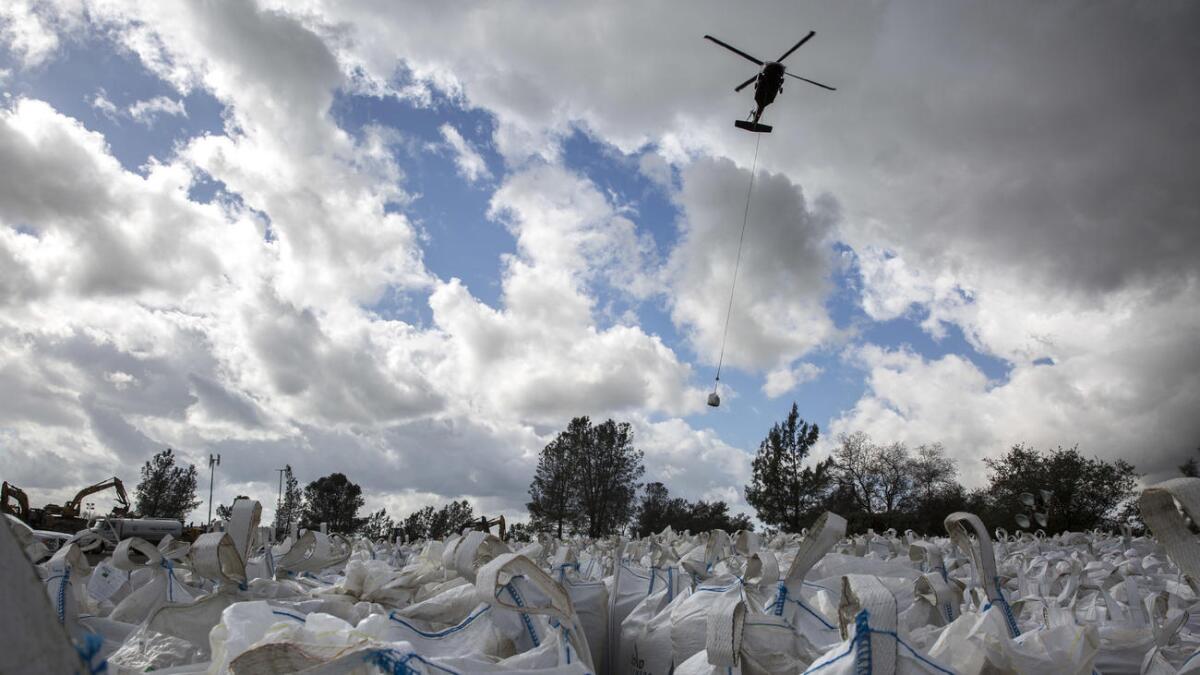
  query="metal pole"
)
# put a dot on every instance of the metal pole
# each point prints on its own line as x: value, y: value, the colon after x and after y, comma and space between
x: 212, y: 461
x: 279, y: 502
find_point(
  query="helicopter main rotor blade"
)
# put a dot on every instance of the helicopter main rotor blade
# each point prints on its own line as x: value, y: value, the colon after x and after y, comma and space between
x: 733, y: 49
x: 798, y: 45
x: 746, y: 83
x: 823, y: 86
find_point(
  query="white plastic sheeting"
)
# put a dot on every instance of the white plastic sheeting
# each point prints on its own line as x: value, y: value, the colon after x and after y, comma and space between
x: 820, y: 602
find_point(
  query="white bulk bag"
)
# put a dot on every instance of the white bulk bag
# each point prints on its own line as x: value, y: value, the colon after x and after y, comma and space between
x: 589, y: 597
x: 633, y: 582
x: 164, y: 586
x: 690, y: 617
x: 789, y: 601
x: 873, y: 645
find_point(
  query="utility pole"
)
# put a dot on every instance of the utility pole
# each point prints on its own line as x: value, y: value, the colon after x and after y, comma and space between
x: 212, y: 462
x: 279, y: 502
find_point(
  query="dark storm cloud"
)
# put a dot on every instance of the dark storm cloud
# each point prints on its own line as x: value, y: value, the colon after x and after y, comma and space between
x: 1062, y: 138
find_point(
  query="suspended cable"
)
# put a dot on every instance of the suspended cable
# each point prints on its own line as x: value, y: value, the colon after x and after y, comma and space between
x: 715, y: 400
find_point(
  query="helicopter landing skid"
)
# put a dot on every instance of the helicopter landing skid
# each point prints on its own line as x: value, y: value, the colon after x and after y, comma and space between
x: 752, y: 126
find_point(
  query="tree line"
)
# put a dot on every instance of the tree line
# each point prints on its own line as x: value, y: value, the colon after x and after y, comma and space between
x: 587, y: 482
x: 167, y: 490
x: 889, y: 485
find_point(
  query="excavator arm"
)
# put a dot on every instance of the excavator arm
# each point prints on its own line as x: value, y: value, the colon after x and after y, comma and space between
x: 71, y: 508
x: 487, y: 524
x: 12, y: 493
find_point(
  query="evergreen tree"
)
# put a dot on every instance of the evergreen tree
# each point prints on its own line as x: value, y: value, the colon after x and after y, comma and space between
x: 416, y: 524
x: 586, y: 479
x: 333, y: 500
x: 519, y: 533
x: 783, y: 492
x: 1085, y: 493
x: 438, y: 523
x: 702, y: 516
x: 654, y: 511
x: 166, y: 490
x: 378, y: 525
x: 607, y: 468
x: 552, y: 505
x: 290, y: 507
x: 226, y: 512
x: 451, y: 519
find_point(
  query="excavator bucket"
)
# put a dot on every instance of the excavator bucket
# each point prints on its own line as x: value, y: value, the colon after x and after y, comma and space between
x: 752, y: 126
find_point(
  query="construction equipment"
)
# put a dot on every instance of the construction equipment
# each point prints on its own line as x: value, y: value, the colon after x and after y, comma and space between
x: 20, y: 501
x: 66, y: 518
x: 71, y: 508
x: 485, y: 525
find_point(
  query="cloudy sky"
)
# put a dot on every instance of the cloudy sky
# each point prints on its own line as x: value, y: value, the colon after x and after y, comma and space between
x: 409, y: 241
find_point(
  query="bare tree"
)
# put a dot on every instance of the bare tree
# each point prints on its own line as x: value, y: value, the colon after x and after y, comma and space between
x: 933, y: 473
x: 856, y: 472
x: 892, y: 467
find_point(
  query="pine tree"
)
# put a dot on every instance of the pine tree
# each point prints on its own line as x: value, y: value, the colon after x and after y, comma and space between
x: 586, y: 479
x: 416, y: 525
x: 783, y: 492
x: 333, y: 500
x: 451, y: 519
x: 290, y: 507
x: 653, y: 511
x: 607, y: 469
x: 226, y: 512
x: 166, y: 490
x: 658, y: 509
x: 378, y: 525
x: 552, y: 505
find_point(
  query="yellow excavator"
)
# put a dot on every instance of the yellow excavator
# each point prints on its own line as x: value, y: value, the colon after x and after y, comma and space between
x: 71, y: 509
x: 64, y: 518
x: 485, y: 524
x: 14, y: 500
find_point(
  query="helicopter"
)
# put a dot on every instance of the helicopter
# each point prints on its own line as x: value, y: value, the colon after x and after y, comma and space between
x: 767, y: 83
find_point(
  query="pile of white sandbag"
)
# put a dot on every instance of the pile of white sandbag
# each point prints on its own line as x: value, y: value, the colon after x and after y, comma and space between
x: 971, y: 602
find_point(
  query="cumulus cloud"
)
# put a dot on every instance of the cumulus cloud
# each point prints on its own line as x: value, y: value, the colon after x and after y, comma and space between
x: 91, y: 228
x: 146, y: 112
x: 470, y: 163
x: 103, y: 105
x: 31, y: 29
x: 240, y: 326
x: 543, y: 354
x: 1117, y: 380
x: 1033, y: 187
x: 778, y: 310
x: 782, y: 380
